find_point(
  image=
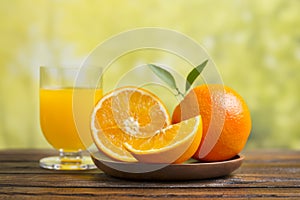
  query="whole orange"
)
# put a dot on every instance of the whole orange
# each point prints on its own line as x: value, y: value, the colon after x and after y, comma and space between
x: 225, y: 117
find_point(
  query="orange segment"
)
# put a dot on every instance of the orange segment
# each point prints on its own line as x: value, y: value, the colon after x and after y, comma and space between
x: 130, y: 115
x: 173, y: 144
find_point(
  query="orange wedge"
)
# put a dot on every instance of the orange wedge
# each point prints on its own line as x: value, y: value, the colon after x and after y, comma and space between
x: 127, y: 115
x: 182, y: 141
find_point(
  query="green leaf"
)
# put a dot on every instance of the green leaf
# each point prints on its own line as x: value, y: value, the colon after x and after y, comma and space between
x: 194, y: 74
x: 164, y: 75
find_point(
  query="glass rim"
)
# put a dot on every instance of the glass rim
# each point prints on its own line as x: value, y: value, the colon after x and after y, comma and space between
x: 70, y: 77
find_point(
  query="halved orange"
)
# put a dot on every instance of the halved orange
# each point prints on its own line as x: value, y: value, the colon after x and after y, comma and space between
x: 128, y: 115
x: 181, y: 142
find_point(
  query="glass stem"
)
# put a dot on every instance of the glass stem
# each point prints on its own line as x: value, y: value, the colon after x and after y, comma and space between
x: 70, y: 157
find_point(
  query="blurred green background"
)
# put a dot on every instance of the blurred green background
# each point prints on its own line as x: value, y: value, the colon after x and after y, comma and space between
x: 255, y: 45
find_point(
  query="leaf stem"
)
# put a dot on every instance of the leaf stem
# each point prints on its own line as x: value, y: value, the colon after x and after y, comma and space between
x: 179, y: 93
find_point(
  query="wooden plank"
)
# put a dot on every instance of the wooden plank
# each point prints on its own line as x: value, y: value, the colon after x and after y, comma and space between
x: 24, y: 155
x: 138, y: 193
x: 27, y: 155
x: 274, y: 156
x: 32, y: 167
x: 264, y: 174
x: 18, y: 161
x: 101, y: 180
x: 20, y: 155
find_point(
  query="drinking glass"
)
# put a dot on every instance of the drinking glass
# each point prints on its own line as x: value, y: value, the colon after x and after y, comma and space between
x: 57, y: 86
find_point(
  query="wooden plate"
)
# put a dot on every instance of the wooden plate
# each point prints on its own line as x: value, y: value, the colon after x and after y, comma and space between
x: 187, y: 171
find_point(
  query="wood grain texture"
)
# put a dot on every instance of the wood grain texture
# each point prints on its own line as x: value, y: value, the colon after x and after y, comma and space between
x: 264, y: 174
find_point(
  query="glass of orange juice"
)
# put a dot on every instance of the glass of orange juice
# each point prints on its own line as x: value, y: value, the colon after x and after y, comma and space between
x: 57, y: 89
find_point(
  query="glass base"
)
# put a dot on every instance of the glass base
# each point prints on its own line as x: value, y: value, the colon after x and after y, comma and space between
x: 68, y: 161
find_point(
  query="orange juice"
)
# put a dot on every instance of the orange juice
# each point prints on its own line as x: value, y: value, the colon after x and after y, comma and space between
x: 57, y: 119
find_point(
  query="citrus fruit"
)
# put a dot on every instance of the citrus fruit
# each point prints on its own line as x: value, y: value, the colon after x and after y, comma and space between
x: 127, y: 115
x: 226, y: 120
x: 177, y: 143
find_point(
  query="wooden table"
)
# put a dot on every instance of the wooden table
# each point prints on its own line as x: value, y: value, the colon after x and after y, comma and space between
x: 263, y: 174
